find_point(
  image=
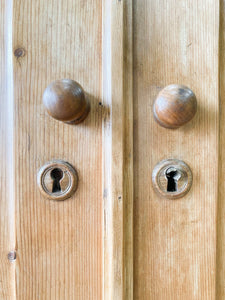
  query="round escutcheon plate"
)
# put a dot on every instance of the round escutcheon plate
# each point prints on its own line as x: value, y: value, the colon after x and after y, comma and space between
x: 57, y: 180
x: 172, y: 178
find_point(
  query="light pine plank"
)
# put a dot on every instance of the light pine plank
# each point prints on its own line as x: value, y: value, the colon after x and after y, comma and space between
x: 175, y: 241
x: 118, y: 150
x: 128, y: 176
x: 7, y: 214
x: 59, y: 243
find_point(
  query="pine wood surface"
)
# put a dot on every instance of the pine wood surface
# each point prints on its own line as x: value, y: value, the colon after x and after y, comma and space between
x: 118, y: 150
x: 99, y: 244
x: 7, y: 211
x: 59, y: 244
x: 175, y: 42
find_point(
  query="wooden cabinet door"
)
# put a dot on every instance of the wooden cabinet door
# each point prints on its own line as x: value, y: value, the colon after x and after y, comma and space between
x: 115, y: 238
x: 175, y: 240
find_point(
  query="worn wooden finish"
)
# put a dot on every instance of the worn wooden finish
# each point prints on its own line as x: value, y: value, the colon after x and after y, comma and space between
x: 59, y: 253
x: 175, y: 241
x: 118, y: 150
x: 7, y: 213
x: 174, y: 106
x: 65, y: 101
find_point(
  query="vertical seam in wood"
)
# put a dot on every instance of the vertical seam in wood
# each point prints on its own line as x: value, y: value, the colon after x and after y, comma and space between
x: 219, y: 290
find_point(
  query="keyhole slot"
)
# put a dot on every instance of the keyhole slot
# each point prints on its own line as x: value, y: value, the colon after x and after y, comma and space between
x: 56, y: 175
x: 172, y: 176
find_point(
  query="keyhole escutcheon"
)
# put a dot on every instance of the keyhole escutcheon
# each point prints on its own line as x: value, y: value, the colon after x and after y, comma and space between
x: 57, y: 180
x: 172, y: 178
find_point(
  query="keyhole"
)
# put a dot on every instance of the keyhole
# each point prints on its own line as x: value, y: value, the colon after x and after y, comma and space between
x: 172, y: 176
x: 56, y: 174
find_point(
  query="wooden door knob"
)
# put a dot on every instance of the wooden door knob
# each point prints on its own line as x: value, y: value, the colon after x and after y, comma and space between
x: 174, y: 106
x: 65, y: 101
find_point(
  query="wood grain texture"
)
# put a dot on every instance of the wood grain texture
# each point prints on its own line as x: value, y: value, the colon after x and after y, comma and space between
x: 59, y: 243
x: 7, y: 213
x: 118, y: 150
x: 120, y: 52
x: 220, y: 262
x: 175, y: 241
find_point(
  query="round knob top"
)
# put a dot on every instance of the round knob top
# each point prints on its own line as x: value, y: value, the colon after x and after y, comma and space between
x: 65, y: 101
x: 174, y: 106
